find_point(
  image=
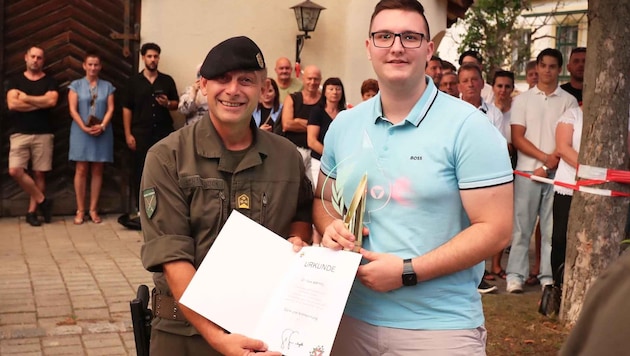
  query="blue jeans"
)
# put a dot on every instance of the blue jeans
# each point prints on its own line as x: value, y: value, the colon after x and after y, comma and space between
x: 531, y: 199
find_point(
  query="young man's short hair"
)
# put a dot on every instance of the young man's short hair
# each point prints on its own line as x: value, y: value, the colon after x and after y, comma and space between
x: 406, y: 5
x: 150, y: 46
x: 551, y: 52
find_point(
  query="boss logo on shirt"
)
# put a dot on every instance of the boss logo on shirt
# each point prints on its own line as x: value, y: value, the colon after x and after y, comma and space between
x: 415, y: 158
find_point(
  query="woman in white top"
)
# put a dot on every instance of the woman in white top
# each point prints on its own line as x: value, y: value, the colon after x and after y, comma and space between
x: 568, y: 136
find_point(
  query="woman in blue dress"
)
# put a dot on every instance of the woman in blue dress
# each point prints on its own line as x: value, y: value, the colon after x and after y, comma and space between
x: 91, y: 104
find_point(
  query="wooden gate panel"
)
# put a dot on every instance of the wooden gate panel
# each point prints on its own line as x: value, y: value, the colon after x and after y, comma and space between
x: 66, y: 29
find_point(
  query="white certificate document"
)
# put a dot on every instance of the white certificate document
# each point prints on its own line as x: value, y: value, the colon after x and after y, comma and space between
x: 252, y: 283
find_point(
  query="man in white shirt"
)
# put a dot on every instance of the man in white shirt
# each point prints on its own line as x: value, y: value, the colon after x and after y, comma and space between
x: 474, y: 57
x: 534, y: 117
x: 470, y: 85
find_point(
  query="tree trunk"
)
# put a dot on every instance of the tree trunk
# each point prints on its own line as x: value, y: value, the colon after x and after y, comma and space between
x: 596, y: 223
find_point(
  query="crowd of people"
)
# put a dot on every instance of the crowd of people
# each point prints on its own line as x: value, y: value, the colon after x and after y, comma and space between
x: 438, y: 144
x: 542, y: 127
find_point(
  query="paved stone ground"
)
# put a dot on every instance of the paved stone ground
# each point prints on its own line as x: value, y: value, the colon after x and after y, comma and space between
x: 65, y: 289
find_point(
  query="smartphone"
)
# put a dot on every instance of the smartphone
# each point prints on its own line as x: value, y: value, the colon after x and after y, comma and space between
x: 158, y: 92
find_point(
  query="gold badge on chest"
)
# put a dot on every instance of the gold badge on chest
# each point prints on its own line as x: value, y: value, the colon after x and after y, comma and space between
x: 243, y: 201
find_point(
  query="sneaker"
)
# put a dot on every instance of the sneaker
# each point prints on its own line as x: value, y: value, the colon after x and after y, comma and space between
x: 31, y: 218
x: 514, y: 287
x: 485, y: 287
x: 46, y: 209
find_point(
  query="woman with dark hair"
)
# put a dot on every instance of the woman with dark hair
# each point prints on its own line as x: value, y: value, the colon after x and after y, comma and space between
x: 269, y: 107
x: 333, y: 101
x: 91, y: 105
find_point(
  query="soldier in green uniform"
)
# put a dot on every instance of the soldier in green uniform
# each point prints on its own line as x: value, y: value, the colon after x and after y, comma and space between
x: 195, y: 177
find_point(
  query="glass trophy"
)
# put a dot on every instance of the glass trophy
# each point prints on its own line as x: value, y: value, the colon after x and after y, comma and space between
x: 354, y: 216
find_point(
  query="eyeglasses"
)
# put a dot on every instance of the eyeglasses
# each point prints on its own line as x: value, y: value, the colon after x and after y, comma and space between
x: 386, y: 39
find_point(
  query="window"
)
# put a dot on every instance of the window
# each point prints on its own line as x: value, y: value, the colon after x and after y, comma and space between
x: 566, y: 40
x: 522, y: 51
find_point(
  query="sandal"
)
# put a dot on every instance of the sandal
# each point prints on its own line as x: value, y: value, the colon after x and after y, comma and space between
x: 501, y: 274
x: 532, y: 280
x: 488, y: 276
x: 79, y: 218
x: 94, y: 217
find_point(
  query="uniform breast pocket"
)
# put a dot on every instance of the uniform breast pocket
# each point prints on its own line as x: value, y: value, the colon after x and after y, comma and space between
x: 207, y: 201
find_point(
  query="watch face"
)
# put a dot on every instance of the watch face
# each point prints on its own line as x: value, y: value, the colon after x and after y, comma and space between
x: 409, y: 279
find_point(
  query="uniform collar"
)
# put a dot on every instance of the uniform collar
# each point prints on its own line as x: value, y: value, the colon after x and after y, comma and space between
x: 208, y: 144
x: 419, y: 110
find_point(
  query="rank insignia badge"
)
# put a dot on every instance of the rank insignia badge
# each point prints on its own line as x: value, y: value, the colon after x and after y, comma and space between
x: 243, y: 201
x: 150, y: 201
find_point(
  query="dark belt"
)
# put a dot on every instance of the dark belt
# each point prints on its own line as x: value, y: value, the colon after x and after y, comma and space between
x: 166, y: 307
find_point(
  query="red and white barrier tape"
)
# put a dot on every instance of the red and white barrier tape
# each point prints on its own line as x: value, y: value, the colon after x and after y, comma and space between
x: 608, y: 175
x: 594, y: 173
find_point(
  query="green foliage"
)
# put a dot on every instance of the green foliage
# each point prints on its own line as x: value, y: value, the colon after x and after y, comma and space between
x: 490, y: 29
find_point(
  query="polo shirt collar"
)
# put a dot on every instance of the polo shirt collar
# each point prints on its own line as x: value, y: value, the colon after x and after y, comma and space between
x: 419, y: 110
x: 483, y: 107
x: 540, y: 92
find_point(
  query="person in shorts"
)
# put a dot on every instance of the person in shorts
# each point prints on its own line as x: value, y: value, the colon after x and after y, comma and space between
x: 30, y: 98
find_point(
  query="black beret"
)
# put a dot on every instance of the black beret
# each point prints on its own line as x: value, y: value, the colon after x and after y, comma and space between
x: 236, y: 53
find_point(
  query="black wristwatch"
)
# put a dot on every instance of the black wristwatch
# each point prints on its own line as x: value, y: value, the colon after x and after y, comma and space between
x: 408, y: 276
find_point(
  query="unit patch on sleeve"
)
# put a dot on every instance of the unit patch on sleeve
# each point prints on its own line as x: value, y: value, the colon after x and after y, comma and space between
x: 150, y: 201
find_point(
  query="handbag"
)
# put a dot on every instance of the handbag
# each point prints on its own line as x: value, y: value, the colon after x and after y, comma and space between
x: 93, y: 121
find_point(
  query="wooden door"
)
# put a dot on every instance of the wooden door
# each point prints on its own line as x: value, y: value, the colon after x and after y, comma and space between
x: 66, y: 29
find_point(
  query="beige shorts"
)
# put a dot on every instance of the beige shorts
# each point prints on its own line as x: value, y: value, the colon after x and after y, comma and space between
x: 36, y: 148
x: 356, y: 337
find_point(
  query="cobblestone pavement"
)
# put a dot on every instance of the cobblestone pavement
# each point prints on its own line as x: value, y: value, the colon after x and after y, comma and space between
x: 65, y: 288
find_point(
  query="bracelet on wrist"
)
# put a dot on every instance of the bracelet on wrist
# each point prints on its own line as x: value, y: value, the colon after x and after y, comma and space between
x: 545, y: 168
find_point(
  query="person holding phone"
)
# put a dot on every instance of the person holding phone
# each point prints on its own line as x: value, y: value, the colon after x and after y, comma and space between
x: 150, y: 96
x: 192, y: 103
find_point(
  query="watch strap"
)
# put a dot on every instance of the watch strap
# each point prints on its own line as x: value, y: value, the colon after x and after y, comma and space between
x: 407, y: 266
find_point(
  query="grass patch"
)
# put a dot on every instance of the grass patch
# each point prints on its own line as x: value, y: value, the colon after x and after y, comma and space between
x: 516, y: 328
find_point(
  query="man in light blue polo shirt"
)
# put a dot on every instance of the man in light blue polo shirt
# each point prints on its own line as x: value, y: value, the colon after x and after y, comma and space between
x: 439, y: 201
